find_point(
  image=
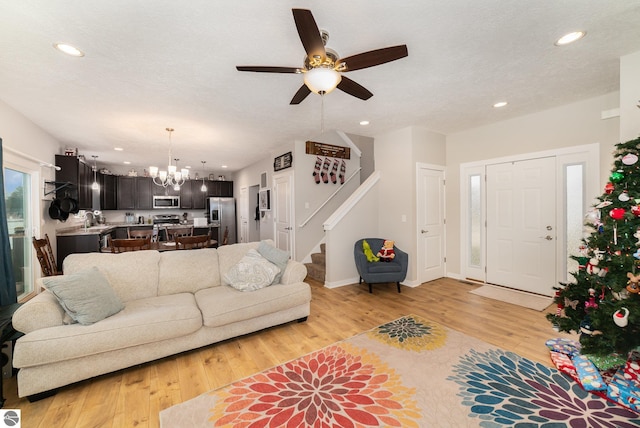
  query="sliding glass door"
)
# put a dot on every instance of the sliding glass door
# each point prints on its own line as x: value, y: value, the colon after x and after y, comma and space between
x: 18, y: 193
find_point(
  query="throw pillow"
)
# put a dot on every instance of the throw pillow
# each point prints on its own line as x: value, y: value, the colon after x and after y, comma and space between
x: 251, y: 273
x: 366, y: 248
x: 276, y: 256
x: 86, y: 296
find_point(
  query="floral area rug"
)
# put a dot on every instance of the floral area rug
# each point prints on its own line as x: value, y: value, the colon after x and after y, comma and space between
x: 410, y: 372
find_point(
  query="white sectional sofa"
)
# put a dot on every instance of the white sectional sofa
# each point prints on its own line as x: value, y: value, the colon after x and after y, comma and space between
x: 173, y: 301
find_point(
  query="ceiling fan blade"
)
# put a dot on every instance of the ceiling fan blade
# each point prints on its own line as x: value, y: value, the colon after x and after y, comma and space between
x: 309, y: 33
x: 267, y: 69
x: 352, y: 88
x: 375, y: 57
x: 300, y: 95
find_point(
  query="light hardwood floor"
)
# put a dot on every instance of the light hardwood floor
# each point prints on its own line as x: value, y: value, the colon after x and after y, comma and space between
x: 134, y: 397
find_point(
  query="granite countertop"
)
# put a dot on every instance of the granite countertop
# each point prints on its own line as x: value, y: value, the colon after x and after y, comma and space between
x: 102, y: 229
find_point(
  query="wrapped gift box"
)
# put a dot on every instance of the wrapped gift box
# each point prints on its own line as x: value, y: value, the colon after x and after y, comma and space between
x: 624, y: 391
x: 632, y: 368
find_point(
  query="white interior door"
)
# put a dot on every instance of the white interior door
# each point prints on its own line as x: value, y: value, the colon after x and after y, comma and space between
x: 521, y: 230
x: 244, y: 214
x: 283, y: 212
x: 431, y: 263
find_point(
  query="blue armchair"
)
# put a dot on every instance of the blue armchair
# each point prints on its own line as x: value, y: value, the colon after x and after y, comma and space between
x: 380, y: 272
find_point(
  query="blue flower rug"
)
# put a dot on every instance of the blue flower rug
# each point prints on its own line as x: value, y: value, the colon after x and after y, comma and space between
x: 410, y: 372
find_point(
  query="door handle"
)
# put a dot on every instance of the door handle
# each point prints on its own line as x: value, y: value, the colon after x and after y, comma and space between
x: 288, y: 228
x: 548, y: 237
x: 424, y: 231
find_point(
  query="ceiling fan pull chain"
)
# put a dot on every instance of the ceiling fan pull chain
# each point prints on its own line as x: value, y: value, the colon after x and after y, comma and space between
x: 321, y: 113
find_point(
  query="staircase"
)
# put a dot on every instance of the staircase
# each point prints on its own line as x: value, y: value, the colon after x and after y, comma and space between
x: 317, y: 268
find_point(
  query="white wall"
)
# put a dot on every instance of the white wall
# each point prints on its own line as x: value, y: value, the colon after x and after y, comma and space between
x: 629, y: 97
x: 396, y: 155
x: 19, y: 133
x: 250, y: 176
x: 309, y: 196
x: 360, y: 222
x: 569, y: 125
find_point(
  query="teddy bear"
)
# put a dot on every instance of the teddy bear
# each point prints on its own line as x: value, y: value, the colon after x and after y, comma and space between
x: 386, y: 253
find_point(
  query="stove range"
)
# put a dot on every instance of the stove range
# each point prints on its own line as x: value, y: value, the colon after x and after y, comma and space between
x: 166, y: 219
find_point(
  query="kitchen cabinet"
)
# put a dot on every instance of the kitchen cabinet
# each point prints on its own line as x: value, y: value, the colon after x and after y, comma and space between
x: 144, y: 196
x: 80, y: 177
x: 134, y: 193
x: 126, y: 199
x: 108, y: 192
x: 164, y: 191
x: 221, y: 189
x: 90, y: 243
x: 186, y: 195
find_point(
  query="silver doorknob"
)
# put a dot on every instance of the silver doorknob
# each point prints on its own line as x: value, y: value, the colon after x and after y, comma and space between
x: 424, y: 231
x: 548, y: 238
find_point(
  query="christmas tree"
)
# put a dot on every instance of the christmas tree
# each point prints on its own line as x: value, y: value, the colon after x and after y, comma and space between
x: 603, y: 303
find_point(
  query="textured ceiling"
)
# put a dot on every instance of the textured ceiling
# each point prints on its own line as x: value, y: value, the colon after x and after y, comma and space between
x: 163, y: 63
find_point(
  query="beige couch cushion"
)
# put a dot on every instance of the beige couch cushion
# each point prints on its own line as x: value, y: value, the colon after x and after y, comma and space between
x: 133, y: 275
x: 141, y: 321
x: 188, y: 271
x: 225, y: 305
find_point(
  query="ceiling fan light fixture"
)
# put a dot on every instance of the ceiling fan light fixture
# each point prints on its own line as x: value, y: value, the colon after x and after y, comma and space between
x: 322, y: 80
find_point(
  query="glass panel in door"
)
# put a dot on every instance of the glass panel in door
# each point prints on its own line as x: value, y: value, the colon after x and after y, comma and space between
x: 17, y: 193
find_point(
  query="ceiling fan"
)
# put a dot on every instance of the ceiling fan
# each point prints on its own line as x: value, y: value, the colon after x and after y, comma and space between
x: 323, y: 67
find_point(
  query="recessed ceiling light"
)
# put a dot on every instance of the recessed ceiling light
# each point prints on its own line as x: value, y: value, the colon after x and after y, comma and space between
x: 126, y: 162
x: 364, y: 122
x: 223, y: 166
x: 570, y: 38
x: 500, y: 104
x: 68, y: 49
x: 118, y: 149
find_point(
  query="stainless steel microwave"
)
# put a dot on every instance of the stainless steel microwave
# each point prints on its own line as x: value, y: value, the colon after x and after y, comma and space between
x: 166, y: 202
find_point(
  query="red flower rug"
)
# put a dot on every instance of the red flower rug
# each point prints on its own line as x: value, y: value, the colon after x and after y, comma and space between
x: 410, y: 372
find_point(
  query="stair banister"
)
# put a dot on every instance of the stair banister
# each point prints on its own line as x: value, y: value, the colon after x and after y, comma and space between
x: 304, y: 223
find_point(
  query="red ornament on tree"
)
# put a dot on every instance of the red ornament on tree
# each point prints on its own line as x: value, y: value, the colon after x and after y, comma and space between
x: 617, y: 213
x: 635, y: 210
x: 608, y: 188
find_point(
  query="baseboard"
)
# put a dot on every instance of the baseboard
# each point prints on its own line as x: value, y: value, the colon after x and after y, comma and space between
x: 341, y: 283
x: 454, y: 276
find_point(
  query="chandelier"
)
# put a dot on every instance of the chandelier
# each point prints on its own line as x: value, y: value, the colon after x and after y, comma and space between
x: 171, y: 177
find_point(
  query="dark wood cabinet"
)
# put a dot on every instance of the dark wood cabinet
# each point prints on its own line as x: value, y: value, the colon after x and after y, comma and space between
x: 126, y: 199
x: 134, y: 193
x: 79, y: 175
x: 198, y: 197
x: 186, y: 195
x: 108, y: 192
x: 221, y: 189
x: 130, y: 193
x: 144, y: 193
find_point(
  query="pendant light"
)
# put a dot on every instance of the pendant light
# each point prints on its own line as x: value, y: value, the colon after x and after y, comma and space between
x: 203, y: 188
x: 95, y: 185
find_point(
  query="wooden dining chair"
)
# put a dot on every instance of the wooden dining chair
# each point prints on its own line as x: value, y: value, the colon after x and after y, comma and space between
x: 174, y: 232
x: 192, y: 242
x: 140, y: 233
x: 133, y: 244
x: 44, y: 252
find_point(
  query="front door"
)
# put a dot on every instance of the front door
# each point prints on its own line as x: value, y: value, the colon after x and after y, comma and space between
x: 521, y: 229
x: 430, y: 224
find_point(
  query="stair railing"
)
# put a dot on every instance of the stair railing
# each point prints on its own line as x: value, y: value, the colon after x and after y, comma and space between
x: 304, y: 223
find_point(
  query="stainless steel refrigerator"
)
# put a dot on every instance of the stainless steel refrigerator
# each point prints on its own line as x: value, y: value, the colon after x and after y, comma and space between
x: 222, y: 215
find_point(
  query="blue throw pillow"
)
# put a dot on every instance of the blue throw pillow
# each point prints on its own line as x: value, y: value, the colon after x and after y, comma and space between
x: 276, y: 256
